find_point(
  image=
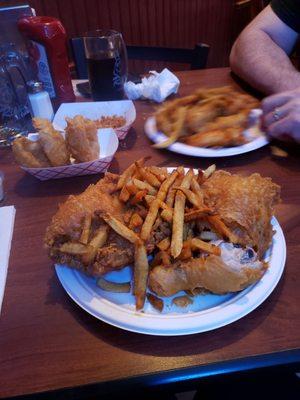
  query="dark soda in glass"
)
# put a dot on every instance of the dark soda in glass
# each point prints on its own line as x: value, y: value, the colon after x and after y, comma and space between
x: 105, y: 79
x: 106, y: 56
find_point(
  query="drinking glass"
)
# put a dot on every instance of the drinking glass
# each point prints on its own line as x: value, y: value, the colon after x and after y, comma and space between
x: 106, y: 56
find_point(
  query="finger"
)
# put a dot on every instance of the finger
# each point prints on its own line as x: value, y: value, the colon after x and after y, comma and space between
x: 277, y: 100
x: 281, y: 127
x: 270, y: 118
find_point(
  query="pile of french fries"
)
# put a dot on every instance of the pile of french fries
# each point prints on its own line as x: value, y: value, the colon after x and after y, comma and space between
x: 154, y: 196
x: 207, y: 118
x: 155, y: 199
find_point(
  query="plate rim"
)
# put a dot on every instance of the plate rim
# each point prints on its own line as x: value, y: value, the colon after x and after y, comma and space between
x: 69, y: 280
x: 181, y: 148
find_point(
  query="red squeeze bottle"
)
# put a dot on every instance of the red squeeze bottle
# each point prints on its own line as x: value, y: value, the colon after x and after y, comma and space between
x: 47, y: 47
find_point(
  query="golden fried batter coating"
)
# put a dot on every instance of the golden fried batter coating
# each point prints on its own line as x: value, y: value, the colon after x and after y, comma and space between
x: 29, y: 154
x: 52, y: 142
x: 82, y: 139
x: 245, y: 204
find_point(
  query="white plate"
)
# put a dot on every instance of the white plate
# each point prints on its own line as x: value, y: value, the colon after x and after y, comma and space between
x: 181, y: 148
x: 206, y: 313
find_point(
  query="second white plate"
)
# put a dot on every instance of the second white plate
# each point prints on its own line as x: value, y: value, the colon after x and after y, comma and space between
x: 181, y: 148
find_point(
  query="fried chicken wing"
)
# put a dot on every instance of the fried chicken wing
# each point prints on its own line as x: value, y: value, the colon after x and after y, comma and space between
x: 82, y: 139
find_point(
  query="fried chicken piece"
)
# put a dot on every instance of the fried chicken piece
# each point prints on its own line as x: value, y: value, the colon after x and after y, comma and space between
x: 217, y: 137
x: 82, y: 139
x: 204, y: 112
x: 68, y: 219
x: 230, y: 272
x: 29, y: 154
x: 245, y: 205
x: 52, y: 142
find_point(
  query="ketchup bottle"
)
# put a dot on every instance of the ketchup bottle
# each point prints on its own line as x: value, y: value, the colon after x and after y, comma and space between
x: 48, y: 52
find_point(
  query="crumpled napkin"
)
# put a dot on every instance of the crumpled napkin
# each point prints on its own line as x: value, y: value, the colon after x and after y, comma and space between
x: 157, y: 87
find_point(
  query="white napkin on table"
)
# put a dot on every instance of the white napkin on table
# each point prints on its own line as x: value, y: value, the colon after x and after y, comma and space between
x: 157, y: 87
x: 7, y: 219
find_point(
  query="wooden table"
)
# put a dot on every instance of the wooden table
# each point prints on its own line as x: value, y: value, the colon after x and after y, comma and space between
x: 48, y: 343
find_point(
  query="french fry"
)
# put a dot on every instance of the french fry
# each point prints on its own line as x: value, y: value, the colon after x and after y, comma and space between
x: 138, y: 197
x: 124, y: 194
x: 97, y: 242
x: 129, y: 172
x: 144, y: 186
x: 115, y: 287
x: 165, y: 186
x: 85, y: 234
x: 186, y: 251
x: 158, y: 172
x: 164, y: 244
x: 204, y: 246
x: 167, y: 215
x: 191, y: 196
x: 131, y: 187
x: 209, y: 171
x: 200, y: 177
x: 196, y: 188
x: 155, y: 302
x: 208, y: 236
x: 219, y: 226
x: 157, y: 222
x: 182, y: 301
x: 171, y: 193
x: 141, y: 271
x: 135, y: 221
x: 154, y: 206
x: 73, y: 248
x: 149, y: 198
x: 120, y: 228
x: 148, y: 176
x: 178, y: 216
x: 196, y: 214
x: 150, y: 219
x: 176, y: 130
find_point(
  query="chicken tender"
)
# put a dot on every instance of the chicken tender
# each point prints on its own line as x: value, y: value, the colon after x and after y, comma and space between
x: 29, y: 154
x: 52, y: 142
x: 82, y: 139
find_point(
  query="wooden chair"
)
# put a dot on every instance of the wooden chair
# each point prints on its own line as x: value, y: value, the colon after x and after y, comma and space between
x: 196, y: 57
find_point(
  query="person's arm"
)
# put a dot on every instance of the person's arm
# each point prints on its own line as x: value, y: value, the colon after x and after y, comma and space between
x: 260, y: 54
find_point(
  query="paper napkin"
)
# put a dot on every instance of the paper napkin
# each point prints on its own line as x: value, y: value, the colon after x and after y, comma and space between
x: 7, y: 219
x: 157, y: 87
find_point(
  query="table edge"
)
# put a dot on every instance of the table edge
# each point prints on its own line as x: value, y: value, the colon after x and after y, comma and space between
x: 282, y: 358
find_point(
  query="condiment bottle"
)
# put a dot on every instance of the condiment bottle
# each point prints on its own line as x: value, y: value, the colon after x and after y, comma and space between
x: 47, y: 42
x: 39, y: 99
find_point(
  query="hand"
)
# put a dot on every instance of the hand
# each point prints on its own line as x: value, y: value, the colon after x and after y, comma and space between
x: 281, y: 115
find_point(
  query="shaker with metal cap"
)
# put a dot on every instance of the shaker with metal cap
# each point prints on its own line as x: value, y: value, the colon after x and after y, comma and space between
x: 39, y: 100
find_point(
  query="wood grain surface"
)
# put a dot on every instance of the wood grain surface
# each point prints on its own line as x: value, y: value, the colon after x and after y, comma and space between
x: 48, y: 343
x: 167, y: 23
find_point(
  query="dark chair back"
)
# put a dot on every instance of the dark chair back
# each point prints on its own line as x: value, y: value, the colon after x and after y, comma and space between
x: 196, y: 57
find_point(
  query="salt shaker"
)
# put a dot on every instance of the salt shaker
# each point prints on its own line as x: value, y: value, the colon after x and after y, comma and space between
x: 39, y: 100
